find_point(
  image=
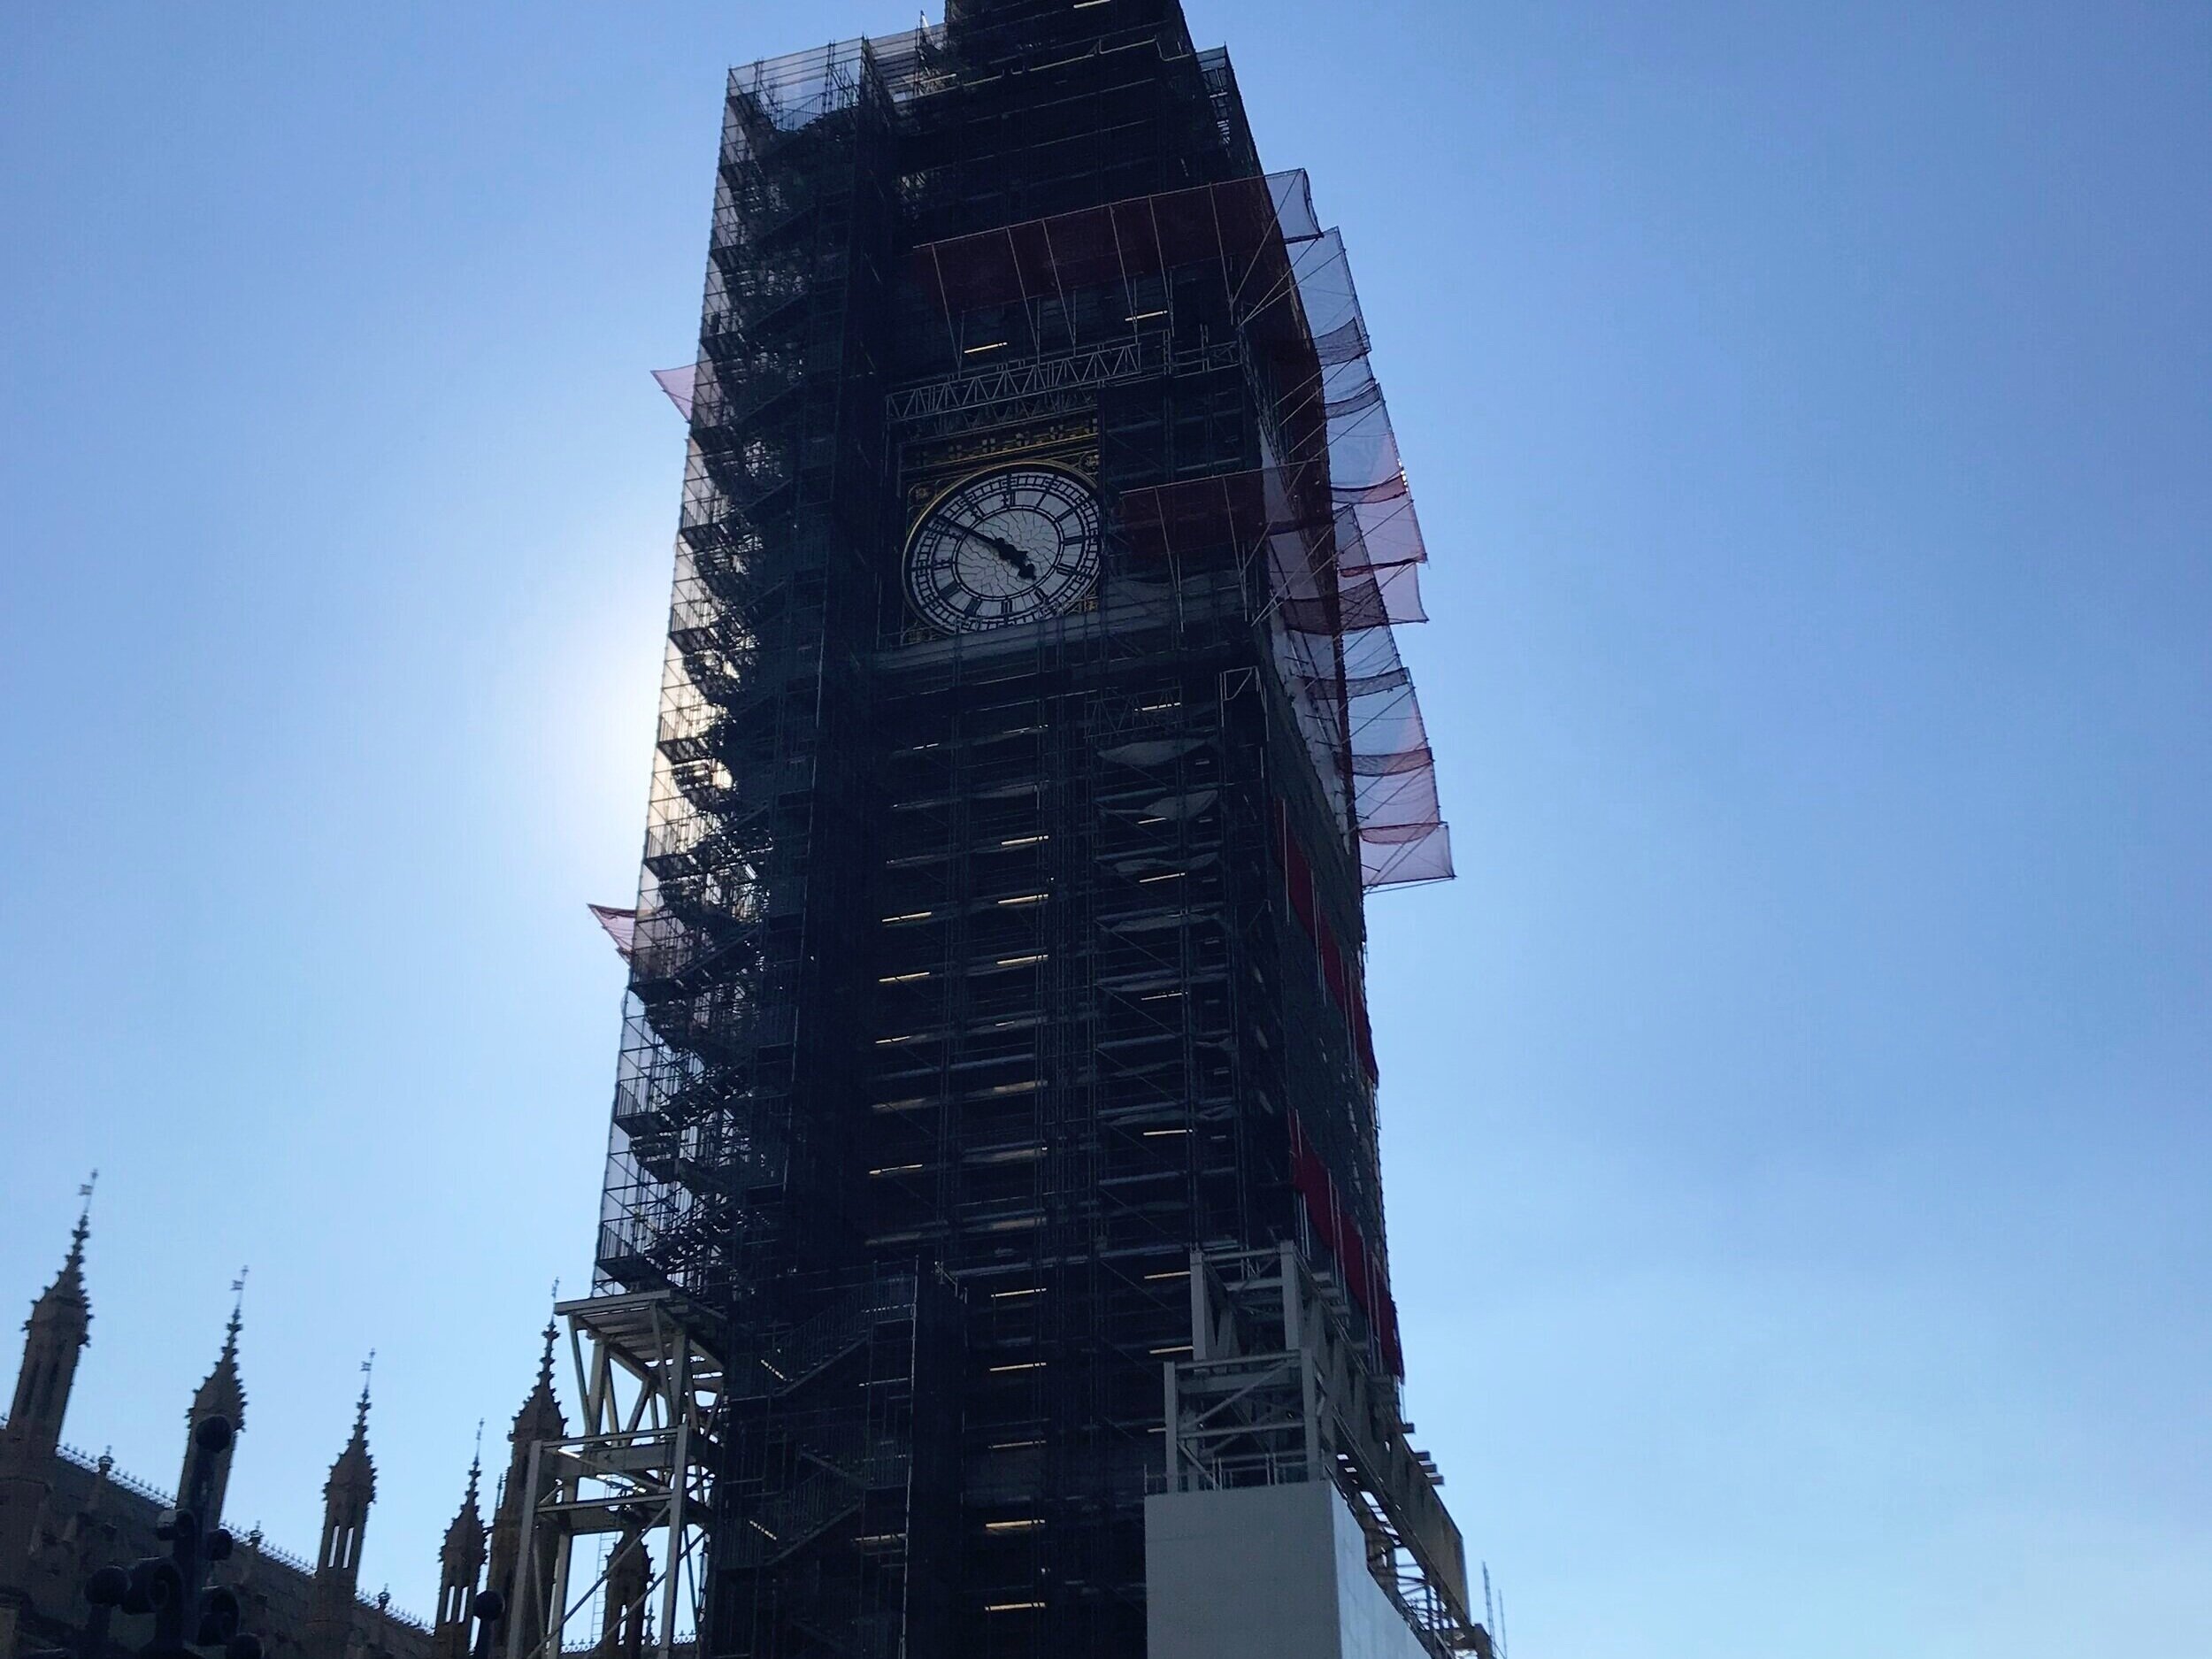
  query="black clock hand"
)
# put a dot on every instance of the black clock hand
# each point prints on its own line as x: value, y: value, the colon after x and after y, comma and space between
x: 1016, y: 556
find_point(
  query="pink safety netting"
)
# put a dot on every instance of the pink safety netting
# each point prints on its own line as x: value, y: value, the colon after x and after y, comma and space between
x: 1331, y: 509
x: 679, y: 384
x: 1373, y: 545
x: 621, y: 926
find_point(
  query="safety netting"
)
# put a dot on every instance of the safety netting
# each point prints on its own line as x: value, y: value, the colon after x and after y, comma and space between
x: 1330, y: 510
x: 680, y: 385
x: 620, y: 924
x: 1371, y: 542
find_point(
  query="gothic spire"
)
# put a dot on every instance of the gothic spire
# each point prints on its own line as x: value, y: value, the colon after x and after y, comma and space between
x: 59, y: 1327
x: 64, y: 1300
x: 221, y: 1395
x: 528, y: 1616
x: 464, y: 1537
x: 55, y: 1335
x: 460, y: 1566
x: 354, y: 1474
x: 347, y: 1496
x: 223, y: 1392
x: 540, y: 1418
x: 468, y: 1522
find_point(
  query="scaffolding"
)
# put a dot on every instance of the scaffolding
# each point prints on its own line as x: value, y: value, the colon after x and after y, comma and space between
x: 1274, y: 1391
x: 711, y: 1129
x: 977, y: 979
x: 638, y: 1478
x: 1329, y: 510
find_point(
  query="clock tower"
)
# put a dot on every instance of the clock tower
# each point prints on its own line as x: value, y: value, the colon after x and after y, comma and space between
x: 1031, y: 728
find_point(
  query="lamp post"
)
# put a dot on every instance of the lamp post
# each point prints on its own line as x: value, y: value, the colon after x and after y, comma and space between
x: 490, y: 1606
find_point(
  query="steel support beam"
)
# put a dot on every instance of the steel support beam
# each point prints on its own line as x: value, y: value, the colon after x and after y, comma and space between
x: 640, y: 1468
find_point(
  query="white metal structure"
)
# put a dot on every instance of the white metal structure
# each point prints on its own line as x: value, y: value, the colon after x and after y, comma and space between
x: 1278, y: 1391
x: 640, y: 1470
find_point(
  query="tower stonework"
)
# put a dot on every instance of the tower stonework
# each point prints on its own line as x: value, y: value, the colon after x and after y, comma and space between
x: 524, y: 1582
x: 460, y: 1568
x: 222, y: 1394
x: 347, y: 1496
x: 73, y: 1515
x: 622, y: 1614
x: 60, y: 1327
x: 997, y: 1063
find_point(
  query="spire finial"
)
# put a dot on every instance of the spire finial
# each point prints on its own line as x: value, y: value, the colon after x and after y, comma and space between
x: 237, y: 1310
x: 545, y: 1362
x: 361, y: 1410
x: 84, y: 1219
x: 476, y: 1464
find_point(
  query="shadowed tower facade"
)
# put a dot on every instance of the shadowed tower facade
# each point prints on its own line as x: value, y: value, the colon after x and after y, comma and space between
x: 1032, y: 730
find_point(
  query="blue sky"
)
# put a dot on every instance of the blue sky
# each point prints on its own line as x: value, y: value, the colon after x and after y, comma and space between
x: 1795, y: 1114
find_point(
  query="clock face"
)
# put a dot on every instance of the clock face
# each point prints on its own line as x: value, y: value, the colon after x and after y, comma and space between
x: 1009, y: 545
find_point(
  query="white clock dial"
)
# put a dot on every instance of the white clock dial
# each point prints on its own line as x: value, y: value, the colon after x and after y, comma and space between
x: 1009, y: 545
